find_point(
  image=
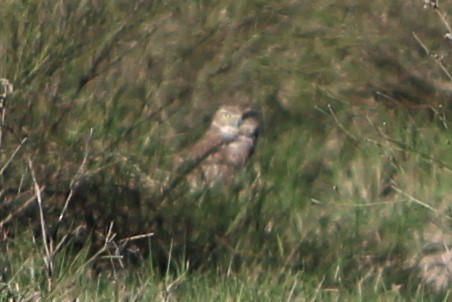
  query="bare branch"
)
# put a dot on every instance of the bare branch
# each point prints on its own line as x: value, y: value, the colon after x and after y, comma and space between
x: 2, y: 170
x: 438, y: 59
x: 22, y: 208
x: 48, y: 259
x: 77, y: 176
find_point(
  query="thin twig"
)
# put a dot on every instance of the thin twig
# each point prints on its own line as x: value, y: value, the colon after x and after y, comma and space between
x: 330, y: 108
x: 424, y: 156
x: 77, y: 177
x: 435, y: 57
x: 136, y: 237
x: 73, y: 186
x: 109, y: 237
x: 292, y: 290
x: 317, y: 290
x: 417, y: 201
x: 22, y: 208
x: 442, y: 17
x: 47, y: 245
x: 13, y: 155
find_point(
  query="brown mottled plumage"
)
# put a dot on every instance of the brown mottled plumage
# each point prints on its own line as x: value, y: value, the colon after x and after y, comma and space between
x: 223, y: 150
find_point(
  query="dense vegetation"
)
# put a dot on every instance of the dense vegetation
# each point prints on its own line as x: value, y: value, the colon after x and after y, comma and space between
x: 347, y: 196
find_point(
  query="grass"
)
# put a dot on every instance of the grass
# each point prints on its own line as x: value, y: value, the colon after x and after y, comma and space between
x: 346, y: 198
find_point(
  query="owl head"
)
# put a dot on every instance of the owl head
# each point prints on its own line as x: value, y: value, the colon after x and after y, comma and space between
x: 227, y: 120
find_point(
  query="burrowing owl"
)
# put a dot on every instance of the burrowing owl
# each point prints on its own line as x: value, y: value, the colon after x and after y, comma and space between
x: 223, y: 150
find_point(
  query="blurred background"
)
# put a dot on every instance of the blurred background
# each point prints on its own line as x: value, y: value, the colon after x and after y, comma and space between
x: 347, y: 195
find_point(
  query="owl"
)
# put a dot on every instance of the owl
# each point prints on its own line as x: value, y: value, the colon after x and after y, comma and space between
x: 223, y: 150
